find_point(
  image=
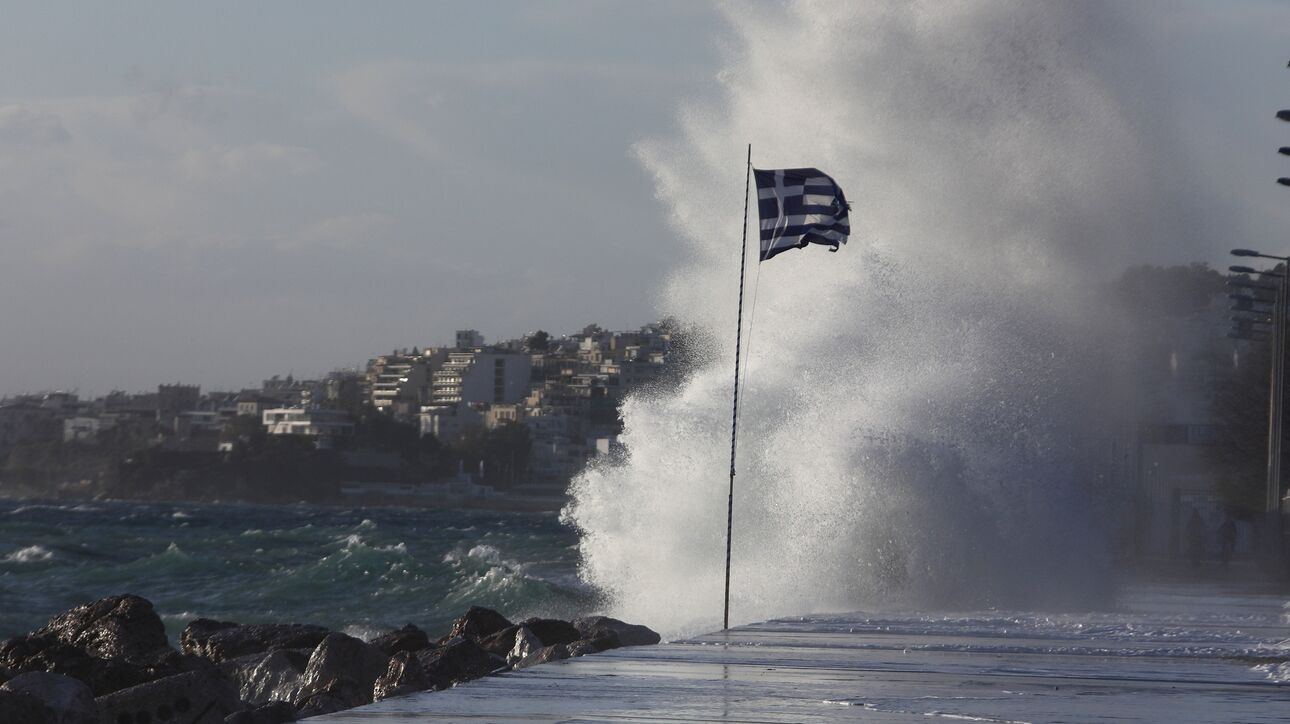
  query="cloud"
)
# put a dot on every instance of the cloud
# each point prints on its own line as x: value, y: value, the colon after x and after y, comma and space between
x: 254, y: 160
x: 435, y: 108
x: 19, y: 125
x: 338, y: 232
x: 393, y: 98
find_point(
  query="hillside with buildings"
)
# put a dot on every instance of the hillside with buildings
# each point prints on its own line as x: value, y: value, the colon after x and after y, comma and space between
x: 506, y: 424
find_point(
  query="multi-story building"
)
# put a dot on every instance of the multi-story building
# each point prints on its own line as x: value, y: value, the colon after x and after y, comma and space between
x: 399, y: 382
x: 26, y: 421
x: 81, y: 429
x: 481, y: 377
x: 321, y: 424
x: 173, y: 399
x: 447, y: 422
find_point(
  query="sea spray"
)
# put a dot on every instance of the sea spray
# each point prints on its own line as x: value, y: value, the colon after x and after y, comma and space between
x: 927, y: 413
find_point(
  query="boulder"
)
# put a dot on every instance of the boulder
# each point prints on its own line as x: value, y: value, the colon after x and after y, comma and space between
x: 552, y: 631
x: 220, y: 640
x: 597, y: 627
x: 70, y: 701
x: 501, y: 642
x: 341, y: 674
x: 339, y: 696
x: 459, y: 660
x: 543, y: 655
x: 477, y: 623
x: 408, y: 638
x: 17, y: 707
x: 110, y: 644
x: 525, y: 644
x: 198, y: 697
x: 582, y: 647
x: 104, y: 676
x: 278, y: 712
x: 264, y: 678
x: 118, y: 627
x: 405, y: 675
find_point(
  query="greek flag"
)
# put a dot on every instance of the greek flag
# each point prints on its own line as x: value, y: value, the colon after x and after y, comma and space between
x: 800, y: 206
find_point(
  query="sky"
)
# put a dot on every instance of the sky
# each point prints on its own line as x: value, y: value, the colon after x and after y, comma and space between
x: 217, y: 193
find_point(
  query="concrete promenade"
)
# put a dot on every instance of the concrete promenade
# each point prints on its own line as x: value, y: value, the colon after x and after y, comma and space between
x: 1172, y: 652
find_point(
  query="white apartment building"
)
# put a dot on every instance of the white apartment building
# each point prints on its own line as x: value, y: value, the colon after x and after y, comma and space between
x: 481, y: 377
x: 447, y: 422
x: 313, y: 422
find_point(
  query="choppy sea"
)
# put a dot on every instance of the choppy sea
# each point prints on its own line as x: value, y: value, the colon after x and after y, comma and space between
x: 362, y: 571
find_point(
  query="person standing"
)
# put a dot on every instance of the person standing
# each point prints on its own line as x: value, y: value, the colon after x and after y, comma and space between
x: 1227, y: 539
x: 1195, y: 538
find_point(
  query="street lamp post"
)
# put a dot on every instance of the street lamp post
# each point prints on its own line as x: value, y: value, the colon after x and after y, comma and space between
x: 1276, y: 388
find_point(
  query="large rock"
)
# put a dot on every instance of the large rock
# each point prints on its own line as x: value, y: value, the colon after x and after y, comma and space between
x: 477, y: 623
x: 221, y: 640
x: 70, y: 701
x: 582, y: 647
x: 405, y: 675
x: 459, y: 660
x: 626, y: 634
x: 525, y: 644
x: 408, y: 638
x: 552, y: 631
x: 20, y: 708
x: 341, y: 674
x: 110, y: 644
x: 263, y: 678
x: 198, y: 697
x: 543, y: 655
x: 118, y: 627
x: 501, y: 642
x: 45, y: 653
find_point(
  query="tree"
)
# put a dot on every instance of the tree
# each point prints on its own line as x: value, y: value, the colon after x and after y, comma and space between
x: 539, y: 341
x: 504, y: 451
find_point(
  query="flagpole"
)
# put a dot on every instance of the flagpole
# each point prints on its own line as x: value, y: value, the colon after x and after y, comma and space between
x: 734, y: 417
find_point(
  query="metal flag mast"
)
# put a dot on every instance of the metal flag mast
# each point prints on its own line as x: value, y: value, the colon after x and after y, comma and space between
x: 734, y: 418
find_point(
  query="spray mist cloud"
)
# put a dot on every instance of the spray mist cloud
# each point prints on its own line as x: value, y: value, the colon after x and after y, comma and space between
x: 915, y: 422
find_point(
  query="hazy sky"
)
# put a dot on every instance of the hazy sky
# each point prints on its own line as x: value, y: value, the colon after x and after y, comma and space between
x: 215, y: 193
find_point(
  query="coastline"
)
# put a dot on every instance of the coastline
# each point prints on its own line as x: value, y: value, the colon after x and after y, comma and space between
x: 502, y: 503
x: 109, y: 660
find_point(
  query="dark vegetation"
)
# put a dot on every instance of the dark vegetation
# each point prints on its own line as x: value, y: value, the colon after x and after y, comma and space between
x: 137, y: 461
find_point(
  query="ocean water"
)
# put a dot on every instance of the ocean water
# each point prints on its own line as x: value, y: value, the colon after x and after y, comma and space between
x: 363, y: 571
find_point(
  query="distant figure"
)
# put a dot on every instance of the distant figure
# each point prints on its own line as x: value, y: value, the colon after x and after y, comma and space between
x: 1195, y: 538
x: 1227, y: 539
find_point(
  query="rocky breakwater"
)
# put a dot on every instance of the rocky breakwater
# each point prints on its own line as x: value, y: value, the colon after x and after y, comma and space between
x: 109, y: 662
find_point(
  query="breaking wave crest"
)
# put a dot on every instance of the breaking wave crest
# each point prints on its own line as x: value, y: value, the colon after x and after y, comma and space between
x: 30, y: 554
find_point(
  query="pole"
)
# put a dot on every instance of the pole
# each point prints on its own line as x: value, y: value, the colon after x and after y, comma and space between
x: 1279, y: 344
x: 1272, y: 494
x: 734, y: 417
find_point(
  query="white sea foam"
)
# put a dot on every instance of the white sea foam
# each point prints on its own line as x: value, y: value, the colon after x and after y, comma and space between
x: 915, y: 418
x: 30, y: 554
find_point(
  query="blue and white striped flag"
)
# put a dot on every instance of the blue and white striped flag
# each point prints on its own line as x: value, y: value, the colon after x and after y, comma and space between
x: 800, y: 206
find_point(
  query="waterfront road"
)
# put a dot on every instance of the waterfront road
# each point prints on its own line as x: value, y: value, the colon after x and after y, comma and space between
x: 1169, y: 651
